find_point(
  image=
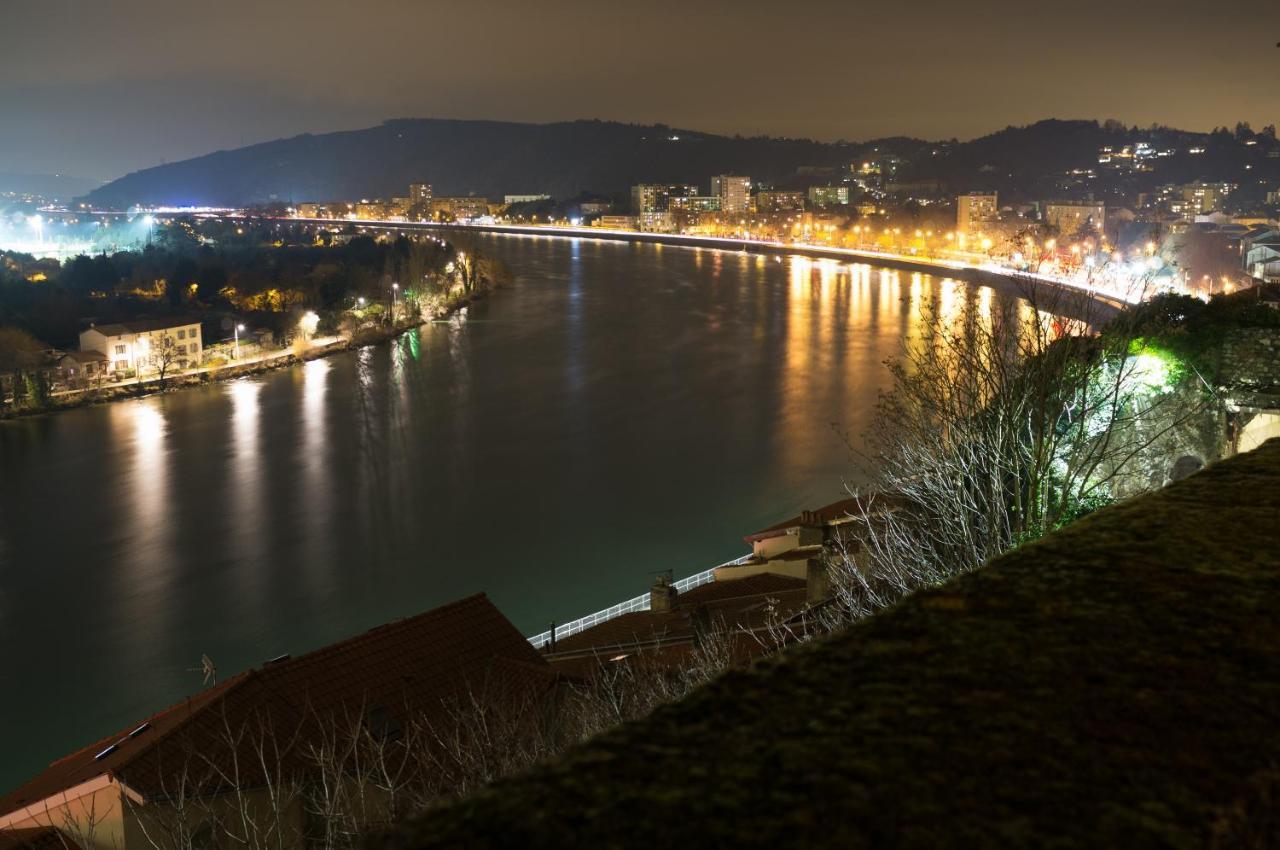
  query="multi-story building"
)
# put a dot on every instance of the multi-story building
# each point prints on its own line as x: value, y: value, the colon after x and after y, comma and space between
x: 145, y: 346
x: 524, y: 199
x: 697, y: 203
x: 976, y: 210
x: 779, y: 200
x: 734, y: 192
x: 420, y: 193
x: 828, y: 196
x: 468, y: 207
x: 656, y: 197
x: 1071, y: 217
x: 1192, y: 199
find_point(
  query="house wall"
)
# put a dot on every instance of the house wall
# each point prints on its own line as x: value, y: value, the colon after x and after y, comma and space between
x: 93, y: 820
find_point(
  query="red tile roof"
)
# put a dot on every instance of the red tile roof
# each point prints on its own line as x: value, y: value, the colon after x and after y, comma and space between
x: 419, y: 662
x: 842, y: 509
x: 737, y: 602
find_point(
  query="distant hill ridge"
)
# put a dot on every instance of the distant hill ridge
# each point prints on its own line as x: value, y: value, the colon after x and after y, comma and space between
x: 492, y: 158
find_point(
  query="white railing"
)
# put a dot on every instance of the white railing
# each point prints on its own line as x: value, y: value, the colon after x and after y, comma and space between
x: 638, y: 603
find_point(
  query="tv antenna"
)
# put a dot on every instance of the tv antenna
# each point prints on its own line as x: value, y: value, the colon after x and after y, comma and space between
x: 206, y: 667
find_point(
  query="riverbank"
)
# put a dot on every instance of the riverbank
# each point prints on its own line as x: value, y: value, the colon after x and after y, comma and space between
x: 282, y: 359
x: 985, y: 274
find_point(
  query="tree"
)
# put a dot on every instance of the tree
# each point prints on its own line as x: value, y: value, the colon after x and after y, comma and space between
x: 21, y: 356
x: 1002, y: 428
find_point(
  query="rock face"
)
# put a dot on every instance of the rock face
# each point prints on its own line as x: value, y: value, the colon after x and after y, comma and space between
x: 1113, y: 685
x: 1250, y: 361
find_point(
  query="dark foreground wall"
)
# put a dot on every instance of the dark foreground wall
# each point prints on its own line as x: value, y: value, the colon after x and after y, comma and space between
x: 1115, y: 685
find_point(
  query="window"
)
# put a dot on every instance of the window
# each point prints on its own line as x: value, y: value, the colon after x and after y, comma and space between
x: 193, y: 348
x: 122, y: 365
x: 182, y: 334
x: 120, y: 349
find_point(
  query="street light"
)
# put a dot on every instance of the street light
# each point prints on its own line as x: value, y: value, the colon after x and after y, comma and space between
x: 395, y: 287
x: 238, y: 329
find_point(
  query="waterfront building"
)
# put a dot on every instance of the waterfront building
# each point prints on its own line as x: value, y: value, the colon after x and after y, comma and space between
x: 459, y: 208
x: 734, y: 192
x: 779, y: 200
x: 828, y: 196
x: 695, y: 203
x: 1071, y: 217
x: 617, y: 222
x: 523, y: 199
x: 976, y: 210
x: 127, y: 790
x: 656, y: 197
x: 141, y: 346
x: 81, y: 367
x: 589, y: 208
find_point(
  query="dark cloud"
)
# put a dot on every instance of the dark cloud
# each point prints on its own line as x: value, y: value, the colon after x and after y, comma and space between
x: 103, y: 88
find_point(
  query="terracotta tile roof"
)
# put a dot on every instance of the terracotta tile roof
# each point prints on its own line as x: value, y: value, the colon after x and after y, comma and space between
x: 143, y: 325
x: 828, y: 513
x: 417, y: 662
x: 737, y: 602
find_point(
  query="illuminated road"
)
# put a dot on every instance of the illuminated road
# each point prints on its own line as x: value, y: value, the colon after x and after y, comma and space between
x: 984, y: 273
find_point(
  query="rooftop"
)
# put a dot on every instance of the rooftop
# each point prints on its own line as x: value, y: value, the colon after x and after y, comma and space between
x: 143, y: 325
x: 418, y: 660
x: 1116, y: 684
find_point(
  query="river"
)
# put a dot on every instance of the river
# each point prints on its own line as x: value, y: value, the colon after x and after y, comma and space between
x: 617, y: 411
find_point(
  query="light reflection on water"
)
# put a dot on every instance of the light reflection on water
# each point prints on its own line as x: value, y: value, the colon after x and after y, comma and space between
x: 618, y: 411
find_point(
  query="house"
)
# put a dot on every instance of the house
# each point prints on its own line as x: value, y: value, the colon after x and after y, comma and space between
x: 1260, y: 254
x: 204, y: 759
x: 741, y: 613
x: 77, y: 368
x: 142, y: 346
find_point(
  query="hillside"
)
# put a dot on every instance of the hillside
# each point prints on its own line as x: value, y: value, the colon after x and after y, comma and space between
x: 487, y: 158
x: 1050, y: 158
x: 1112, y: 685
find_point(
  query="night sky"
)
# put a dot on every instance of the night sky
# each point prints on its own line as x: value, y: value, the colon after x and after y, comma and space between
x: 96, y: 89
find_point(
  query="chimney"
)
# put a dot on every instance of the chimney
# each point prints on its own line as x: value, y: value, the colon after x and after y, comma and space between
x: 817, y: 581
x: 662, y: 595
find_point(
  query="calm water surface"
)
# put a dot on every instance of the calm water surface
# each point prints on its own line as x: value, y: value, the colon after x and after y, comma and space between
x: 618, y: 411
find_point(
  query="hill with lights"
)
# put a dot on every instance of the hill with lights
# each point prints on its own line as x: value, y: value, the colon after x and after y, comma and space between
x: 491, y: 158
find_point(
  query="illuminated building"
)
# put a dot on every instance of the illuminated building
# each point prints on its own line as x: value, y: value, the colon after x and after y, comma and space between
x: 1192, y: 199
x: 734, y: 192
x: 1070, y: 217
x: 656, y: 197
x: 524, y: 199
x: 779, y: 200
x: 468, y: 207
x: 144, y: 345
x: 420, y: 193
x: 975, y: 210
x: 828, y: 196
x: 617, y: 222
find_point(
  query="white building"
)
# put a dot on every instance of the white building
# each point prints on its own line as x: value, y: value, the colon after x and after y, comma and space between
x: 146, y: 346
x: 1070, y: 217
x: 524, y: 199
x: 734, y: 192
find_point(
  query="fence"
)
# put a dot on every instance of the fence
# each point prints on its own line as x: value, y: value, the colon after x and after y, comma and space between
x: 638, y: 603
